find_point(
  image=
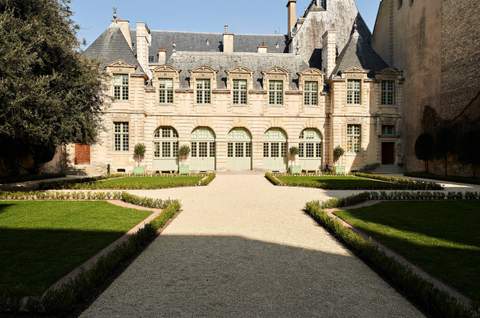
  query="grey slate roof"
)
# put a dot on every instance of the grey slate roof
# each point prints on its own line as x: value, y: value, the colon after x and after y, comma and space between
x: 258, y: 63
x: 359, y: 53
x: 111, y: 47
x: 211, y: 42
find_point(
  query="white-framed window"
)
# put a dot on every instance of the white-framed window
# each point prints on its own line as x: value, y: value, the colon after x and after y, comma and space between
x: 354, y: 138
x: 230, y: 150
x: 165, y: 91
x: 311, y: 93
x: 240, y: 92
x: 204, y: 91
x: 388, y: 92
x: 388, y: 130
x: 354, y: 91
x: 275, y: 92
x: 121, y: 136
x: 165, y: 143
x: 120, y: 86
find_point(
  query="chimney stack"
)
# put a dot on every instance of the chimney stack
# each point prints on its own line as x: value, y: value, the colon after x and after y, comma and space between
x: 162, y: 56
x: 329, y: 52
x: 292, y: 15
x: 263, y: 48
x: 144, y: 39
x: 227, y: 41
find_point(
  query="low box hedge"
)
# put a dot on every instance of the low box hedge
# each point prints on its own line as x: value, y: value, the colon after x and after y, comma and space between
x: 459, y: 179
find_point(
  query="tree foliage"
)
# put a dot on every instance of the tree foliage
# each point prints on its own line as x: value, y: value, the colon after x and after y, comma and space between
x: 49, y: 93
x: 139, y: 153
x: 338, y: 152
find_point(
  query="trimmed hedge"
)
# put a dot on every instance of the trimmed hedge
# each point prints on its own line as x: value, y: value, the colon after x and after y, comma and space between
x: 79, y: 290
x: 207, y: 179
x: 459, y: 179
x: 433, y: 301
x: 408, y: 183
x: 273, y: 179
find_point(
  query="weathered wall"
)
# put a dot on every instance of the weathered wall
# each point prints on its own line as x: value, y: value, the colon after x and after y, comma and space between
x: 460, y: 54
x: 409, y: 38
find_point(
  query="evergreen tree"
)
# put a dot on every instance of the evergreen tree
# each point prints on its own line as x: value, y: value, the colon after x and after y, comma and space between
x: 50, y: 94
x: 424, y: 148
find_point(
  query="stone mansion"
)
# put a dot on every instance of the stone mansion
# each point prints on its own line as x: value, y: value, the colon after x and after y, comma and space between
x: 241, y: 101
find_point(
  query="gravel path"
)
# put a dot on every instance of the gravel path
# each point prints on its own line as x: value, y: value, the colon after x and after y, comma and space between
x: 243, y: 248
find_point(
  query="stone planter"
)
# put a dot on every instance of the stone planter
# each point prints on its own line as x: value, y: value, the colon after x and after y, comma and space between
x: 183, y: 168
x: 295, y: 169
x: 340, y: 169
x: 138, y: 171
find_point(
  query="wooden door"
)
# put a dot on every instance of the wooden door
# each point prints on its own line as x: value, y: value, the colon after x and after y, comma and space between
x: 82, y: 154
x: 388, y: 153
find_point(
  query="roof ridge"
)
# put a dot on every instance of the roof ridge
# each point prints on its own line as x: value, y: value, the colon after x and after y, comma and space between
x: 213, y: 33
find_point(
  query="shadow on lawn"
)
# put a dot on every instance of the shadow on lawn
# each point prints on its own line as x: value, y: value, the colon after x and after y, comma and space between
x: 33, y: 260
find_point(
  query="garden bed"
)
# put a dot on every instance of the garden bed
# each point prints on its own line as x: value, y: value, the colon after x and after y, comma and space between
x: 46, y: 236
x: 358, y: 181
x: 434, y: 230
x: 140, y: 182
x: 459, y: 179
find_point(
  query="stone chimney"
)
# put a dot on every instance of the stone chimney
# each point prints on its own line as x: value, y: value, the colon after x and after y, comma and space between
x: 263, y: 48
x: 292, y: 15
x: 329, y: 52
x: 227, y: 41
x: 144, y: 39
x: 124, y: 26
x: 162, y: 56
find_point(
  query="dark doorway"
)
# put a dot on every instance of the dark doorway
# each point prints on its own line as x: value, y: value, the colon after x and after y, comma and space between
x: 388, y: 153
x: 82, y: 154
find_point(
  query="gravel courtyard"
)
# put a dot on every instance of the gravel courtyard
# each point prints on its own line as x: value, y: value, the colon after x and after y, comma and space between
x: 244, y: 248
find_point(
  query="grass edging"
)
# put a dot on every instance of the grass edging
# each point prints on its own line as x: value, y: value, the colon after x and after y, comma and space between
x: 79, y: 289
x: 433, y: 301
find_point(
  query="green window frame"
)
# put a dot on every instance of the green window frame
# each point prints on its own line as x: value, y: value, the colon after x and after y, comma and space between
x: 388, y: 92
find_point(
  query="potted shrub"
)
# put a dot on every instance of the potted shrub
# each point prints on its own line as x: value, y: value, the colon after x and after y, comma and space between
x: 138, y: 156
x: 292, y: 158
x: 183, y: 153
x: 338, y: 152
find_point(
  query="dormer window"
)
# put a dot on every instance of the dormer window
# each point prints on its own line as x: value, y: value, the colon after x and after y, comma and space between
x: 204, y: 92
x: 311, y: 93
x: 165, y: 90
x: 120, y: 86
x: 239, y: 92
x: 275, y: 92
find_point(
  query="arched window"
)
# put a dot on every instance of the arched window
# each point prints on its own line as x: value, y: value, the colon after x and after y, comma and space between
x: 165, y: 142
x: 310, y: 145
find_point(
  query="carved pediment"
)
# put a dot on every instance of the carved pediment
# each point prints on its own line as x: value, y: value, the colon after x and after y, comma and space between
x: 203, y: 69
x: 311, y: 72
x: 277, y: 71
x: 390, y: 71
x: 120, y: 64
x: 355, y: 69
x: 240, y: 70
x: 165, y: 69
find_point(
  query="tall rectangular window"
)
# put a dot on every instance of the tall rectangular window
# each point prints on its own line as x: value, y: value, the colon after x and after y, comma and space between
x: 354, y: 138
x: 121, y: 136
x: 204, y: 92
x: 239, y: 92
x: 230, y: 150
x: 165, y: 90
x: 120, y: 86
x: 311, y: 93
x: 354, y: 92
x: 388, y: 92
x: 266, y: 150
x: 275, y: 92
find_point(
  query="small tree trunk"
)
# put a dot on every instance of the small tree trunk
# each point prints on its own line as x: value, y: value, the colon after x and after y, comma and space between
x: 446, y: 166
x: 426, y: 166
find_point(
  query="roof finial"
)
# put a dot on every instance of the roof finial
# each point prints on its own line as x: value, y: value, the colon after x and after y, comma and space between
x: 225, y: 28
x: 115, y: 16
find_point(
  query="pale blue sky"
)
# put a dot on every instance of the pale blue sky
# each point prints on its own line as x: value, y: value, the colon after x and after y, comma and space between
x: 243, y: 16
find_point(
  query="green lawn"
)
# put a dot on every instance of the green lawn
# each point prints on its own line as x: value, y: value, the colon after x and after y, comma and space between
x: 153, y: 182
x: 41, y: 241
x: 443, y: 238
x: 337, y: 182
